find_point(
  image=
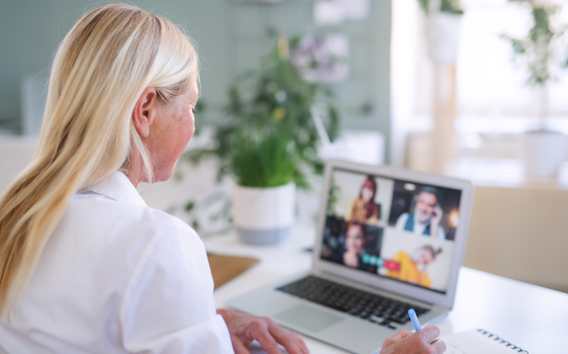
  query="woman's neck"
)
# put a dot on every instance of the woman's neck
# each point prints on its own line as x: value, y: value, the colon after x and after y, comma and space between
x: 133, y: 170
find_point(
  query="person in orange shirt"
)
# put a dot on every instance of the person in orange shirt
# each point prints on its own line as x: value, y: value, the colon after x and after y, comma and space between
x: 410, y: 265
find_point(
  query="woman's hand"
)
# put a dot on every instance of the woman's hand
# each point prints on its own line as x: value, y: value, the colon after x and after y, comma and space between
x: 421, y: 342
x: 244, y: 329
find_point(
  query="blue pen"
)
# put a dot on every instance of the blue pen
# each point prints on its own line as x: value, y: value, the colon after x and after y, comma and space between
x: 414, y: 320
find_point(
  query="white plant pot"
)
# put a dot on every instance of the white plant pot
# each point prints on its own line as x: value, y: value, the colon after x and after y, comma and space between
x: 442, y: 36
x: 264, y: 216
x: 543, y: 153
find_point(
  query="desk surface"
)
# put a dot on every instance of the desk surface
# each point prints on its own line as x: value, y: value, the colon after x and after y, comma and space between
x: 529, y: 316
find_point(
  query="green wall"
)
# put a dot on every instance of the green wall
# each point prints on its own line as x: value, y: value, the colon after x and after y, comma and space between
x: 230, y: 36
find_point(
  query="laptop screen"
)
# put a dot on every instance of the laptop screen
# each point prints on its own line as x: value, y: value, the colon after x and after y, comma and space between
x: 392, y: 228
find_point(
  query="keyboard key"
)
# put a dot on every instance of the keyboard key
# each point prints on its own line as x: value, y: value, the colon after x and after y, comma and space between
x: 398, y: 320
x: 376, y: 319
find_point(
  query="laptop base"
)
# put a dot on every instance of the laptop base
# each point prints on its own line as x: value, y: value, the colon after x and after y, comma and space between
x: 336, y: 328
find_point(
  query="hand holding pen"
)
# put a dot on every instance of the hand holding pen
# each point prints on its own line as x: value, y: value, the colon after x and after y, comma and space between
x: 423, y: 341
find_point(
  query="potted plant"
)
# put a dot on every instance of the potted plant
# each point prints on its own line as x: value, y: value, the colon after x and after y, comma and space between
x: 443, y: 19
x: 542, y: 53
x: 269, y: 143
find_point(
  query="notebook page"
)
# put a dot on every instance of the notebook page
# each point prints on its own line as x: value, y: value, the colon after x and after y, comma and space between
x: 474, y: 342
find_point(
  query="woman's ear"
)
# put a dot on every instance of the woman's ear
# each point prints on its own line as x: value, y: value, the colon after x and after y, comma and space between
x: 145, y: 111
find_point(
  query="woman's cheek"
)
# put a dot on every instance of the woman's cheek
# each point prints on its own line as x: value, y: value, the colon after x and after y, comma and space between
x: 189, y: 128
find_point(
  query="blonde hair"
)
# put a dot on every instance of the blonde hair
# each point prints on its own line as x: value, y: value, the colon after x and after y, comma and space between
x: 100, y: 70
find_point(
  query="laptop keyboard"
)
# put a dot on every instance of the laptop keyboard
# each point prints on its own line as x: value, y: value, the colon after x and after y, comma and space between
x: 374, y: 308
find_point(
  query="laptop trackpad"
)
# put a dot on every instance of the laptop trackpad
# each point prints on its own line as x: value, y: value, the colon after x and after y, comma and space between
x: 308, y: 318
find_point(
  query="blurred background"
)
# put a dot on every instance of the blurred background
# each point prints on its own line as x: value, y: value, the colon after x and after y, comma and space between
x: 475, y: 89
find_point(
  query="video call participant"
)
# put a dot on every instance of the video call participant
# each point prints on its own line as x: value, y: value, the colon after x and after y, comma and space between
x: 413, y: 267
x: 355, y: 241
x: 426, y: 217
x: 363, y: 209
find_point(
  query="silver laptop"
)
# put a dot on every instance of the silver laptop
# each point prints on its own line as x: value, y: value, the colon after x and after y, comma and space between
x: 388, y: 240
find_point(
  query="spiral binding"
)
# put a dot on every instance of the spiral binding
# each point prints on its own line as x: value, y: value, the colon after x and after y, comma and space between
x: 502, y: 341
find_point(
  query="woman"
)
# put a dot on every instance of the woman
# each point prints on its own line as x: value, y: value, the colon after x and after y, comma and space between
x: 363, y: 209
x: 355, y: 240
x: 413, y: 267
x: 85, y: 265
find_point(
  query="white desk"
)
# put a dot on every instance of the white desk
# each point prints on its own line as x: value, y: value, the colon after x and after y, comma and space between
x: 529, y: 316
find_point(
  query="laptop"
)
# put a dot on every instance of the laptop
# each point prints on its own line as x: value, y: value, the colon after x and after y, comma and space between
x: 388, y: 239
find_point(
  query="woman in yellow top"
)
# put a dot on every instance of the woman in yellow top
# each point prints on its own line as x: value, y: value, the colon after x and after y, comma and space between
x: 409, y: 271
x: 363, y: 209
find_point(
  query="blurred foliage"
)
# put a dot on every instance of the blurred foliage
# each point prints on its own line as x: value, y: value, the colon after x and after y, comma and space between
x: 333, y: 199
x: 218, y: 206
x: 449, y: 6
x: 543, y: 49
x: 270, y: 138
x: 264, y: 157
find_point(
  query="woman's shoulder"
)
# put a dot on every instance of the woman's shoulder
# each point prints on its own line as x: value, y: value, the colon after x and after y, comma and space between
x: 123, y: 255
x: 123, y: 241
x: 115, y: 203
x: 123, y: 215
x: 356, y: 203
x: 400, y: 256
x: 108, y: 226
x: 159, y: 221
x: 357, y: 200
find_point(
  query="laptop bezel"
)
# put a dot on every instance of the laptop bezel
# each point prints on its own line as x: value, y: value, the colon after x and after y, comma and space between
x: 445, y: 300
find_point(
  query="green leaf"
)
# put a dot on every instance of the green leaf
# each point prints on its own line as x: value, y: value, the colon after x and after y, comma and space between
x: 450, y: 6
x: 189, y: 206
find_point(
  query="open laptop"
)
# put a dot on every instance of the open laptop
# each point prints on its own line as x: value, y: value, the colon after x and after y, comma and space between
x: 387, y: 240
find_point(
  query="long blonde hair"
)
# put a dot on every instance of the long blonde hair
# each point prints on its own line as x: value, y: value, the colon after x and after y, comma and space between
x: 100, y: 70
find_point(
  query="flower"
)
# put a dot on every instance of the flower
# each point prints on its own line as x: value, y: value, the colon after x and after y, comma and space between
x: 279, y: 113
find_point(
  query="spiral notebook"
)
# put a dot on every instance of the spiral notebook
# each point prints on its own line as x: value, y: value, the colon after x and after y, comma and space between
x: 479, y: 342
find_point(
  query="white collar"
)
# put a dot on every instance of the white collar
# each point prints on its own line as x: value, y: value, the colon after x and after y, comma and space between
x: 118, y: 187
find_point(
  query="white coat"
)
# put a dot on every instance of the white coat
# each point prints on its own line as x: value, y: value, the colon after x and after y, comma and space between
x: 117, y: 277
